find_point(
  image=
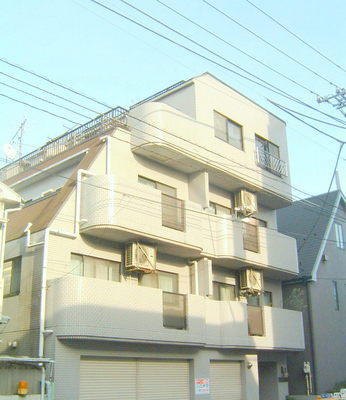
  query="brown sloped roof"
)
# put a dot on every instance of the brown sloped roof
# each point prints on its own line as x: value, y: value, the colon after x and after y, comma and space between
x: 42, y: 212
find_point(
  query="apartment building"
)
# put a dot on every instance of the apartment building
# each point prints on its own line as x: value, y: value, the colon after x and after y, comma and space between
x: 146, y: 261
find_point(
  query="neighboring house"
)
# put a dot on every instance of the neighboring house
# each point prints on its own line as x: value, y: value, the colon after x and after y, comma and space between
x: 150, y: 261
x: 319, y: 225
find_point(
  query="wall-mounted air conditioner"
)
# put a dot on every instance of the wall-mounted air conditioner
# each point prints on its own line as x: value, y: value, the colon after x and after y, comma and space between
x: 251, y: 280
x: 245, y: 202
x: 140, y: 257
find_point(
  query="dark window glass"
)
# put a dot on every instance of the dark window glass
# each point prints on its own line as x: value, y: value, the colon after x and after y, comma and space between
x: 228, y: 131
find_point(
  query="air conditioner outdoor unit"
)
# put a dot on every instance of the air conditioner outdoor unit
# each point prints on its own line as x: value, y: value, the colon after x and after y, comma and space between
x: 245, y: 202
x: 251, y: 280
x: 140, y: 257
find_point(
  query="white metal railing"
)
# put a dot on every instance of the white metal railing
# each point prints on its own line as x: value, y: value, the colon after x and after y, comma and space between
x: 97, y: 126
x: 271, y: 163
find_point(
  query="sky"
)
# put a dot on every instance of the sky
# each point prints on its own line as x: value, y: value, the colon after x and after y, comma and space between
x: 95, y: 51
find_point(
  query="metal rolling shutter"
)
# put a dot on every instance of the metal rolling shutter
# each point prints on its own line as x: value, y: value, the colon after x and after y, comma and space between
x: 159, y: 380
x: 107, y: 379
x: 225, y: 380
x: 134, y: 380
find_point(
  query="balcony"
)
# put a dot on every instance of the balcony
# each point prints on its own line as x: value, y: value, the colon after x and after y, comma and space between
x: 126, y: 213
x: 80, y: 307
x: 232, y: 239
x: 98, y: 126
x: 271, y: 163
x: 167, y: 136
x: 140, y: 213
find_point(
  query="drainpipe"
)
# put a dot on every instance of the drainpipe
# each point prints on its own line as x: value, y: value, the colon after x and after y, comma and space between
x: 43, y: 293
x: 194, y: 265
x: 108, y: 152
x: 80, y: 174
x: 3, y: 222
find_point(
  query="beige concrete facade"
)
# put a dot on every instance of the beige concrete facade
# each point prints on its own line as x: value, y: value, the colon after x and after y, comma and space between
x: 169, y: 141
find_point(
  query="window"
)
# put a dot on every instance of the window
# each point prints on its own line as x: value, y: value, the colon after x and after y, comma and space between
x: 261, y: 222
x: 12, y: 274
x: 167, y: 281
x: 223, y: 291
x: 173, y: 304
x: 228, y: 131
x: 268, y: 157
x: 264, y: 299
x: 173, y: 211
x: 169, y: 190
x: 250, y: 235
x: 336, y: 295
x: 218, y: 209
x: 339, y: 236
x: 92, y: 267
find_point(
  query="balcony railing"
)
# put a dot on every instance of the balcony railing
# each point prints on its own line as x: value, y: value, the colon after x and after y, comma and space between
x: 255, y: 320
x: 99, y: 125
x: 173, y: 212
x: 174, y: 310
x: 271, y: 163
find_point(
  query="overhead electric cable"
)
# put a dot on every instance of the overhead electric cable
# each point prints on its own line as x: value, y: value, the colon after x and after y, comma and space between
x: 237, y: 48
x: 48, y: 92
x: 292, y: 112
x: 202, y: 47
x: 54, y: 83
x: 296, y: 36
x: 268, y: 43
x: 45, y: 100
x: 279, y: 92
x: 40, y: 109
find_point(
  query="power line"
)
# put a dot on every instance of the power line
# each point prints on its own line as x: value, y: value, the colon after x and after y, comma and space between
x: 268, y: 43
x: 276, y: 90
x: 48, y: 92
x: 53, y: 82
x: 296, y: 36
x: 236, y: 48
x: 204, y: 47
x: 292, y: 112
x: 40, y: 109
x: 45, y: 100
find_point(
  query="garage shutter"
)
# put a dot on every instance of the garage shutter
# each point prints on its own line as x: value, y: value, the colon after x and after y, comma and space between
x: 107, y: 380
x: 167, y: 380
x: 225, y: 380
x: 134, y: 380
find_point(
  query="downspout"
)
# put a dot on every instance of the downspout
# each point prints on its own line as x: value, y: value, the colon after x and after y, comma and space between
x: 308, y: 293
x: 43, y: 291
x: 108, y: 153
x: 77, y: 213
x: 194, y: 265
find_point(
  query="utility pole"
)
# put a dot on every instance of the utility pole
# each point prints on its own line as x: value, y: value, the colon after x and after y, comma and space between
x: 337, y: 100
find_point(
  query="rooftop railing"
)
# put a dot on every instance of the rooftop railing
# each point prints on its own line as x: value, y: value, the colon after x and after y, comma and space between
x: 98, y: 126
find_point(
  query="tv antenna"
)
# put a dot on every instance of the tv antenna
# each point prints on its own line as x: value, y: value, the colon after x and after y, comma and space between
x: 9, y: 149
